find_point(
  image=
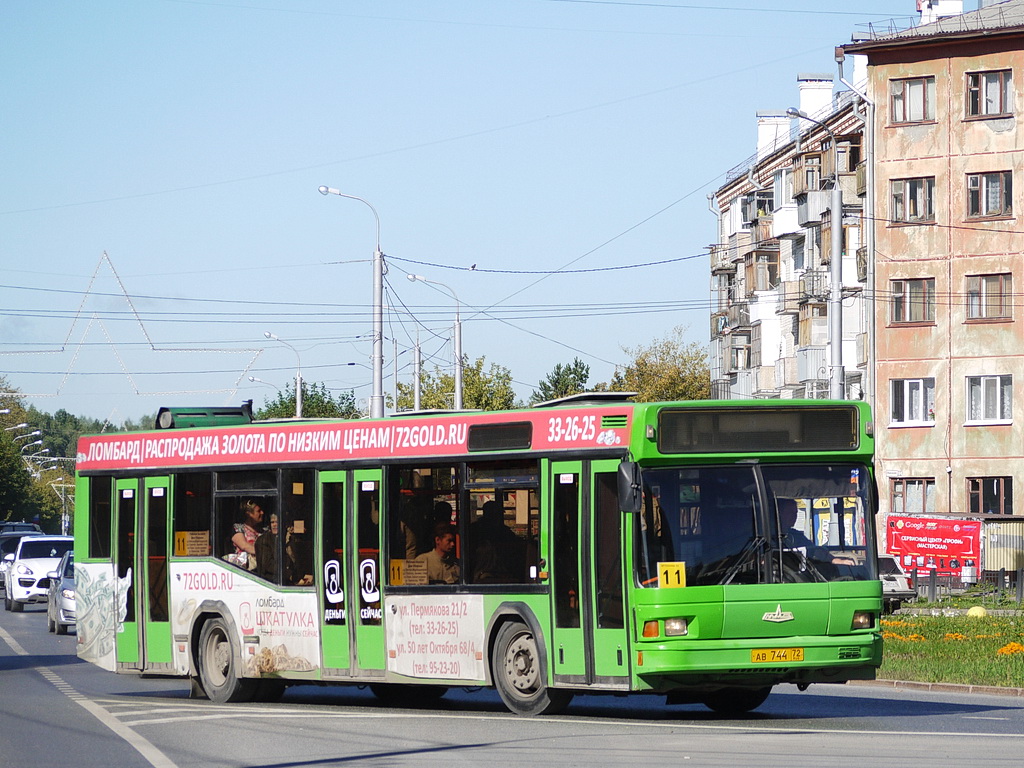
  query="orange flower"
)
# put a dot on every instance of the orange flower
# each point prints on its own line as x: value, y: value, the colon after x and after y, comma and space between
x: 1010, y: 648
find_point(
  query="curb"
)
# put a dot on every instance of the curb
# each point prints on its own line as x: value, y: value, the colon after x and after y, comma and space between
x: 989, y: 690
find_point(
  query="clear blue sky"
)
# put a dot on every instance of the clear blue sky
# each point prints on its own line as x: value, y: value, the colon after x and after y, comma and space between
x: 186, y: 140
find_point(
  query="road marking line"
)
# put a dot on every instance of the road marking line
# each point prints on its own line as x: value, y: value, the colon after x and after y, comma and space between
x: 143, y: 746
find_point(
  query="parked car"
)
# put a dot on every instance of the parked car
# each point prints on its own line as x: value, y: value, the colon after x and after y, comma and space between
x: 60, y: 597
x: 25, y: 578
x: 13, y: 526
x: 896, y: 584
x: 9, y: 543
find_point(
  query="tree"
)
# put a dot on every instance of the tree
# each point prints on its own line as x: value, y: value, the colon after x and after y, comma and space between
x: 15, y: 489
x: 317, y: 403
x: 489, y: 390
x: 564, y: 380
x: 666, y: 369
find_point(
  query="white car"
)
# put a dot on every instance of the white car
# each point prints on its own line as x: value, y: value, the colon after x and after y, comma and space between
x: 26, y: 570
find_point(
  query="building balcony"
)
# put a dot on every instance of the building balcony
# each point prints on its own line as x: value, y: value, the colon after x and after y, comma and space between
x: 814, y: 285
x: 788, y: 302
x: 722, y: 260
x: 811, y: 364
x: 810, y: 205
x: 738, y: 315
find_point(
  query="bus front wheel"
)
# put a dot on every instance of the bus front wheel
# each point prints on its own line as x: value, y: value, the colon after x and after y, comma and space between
x: 519, y: 673
x: 736, y: 701
x: 218, y: 663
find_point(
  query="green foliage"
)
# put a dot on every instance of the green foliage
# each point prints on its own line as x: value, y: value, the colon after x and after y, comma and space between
x: 489, y: 390
x: 61, y: 429
x: 666, y: 369
x: 317, y: 403
x: 15, y: 487
x: 564, y: 380
x: 954, y: 649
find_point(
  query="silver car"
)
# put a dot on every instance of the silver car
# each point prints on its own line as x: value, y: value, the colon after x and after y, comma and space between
x: 60, y: 598
x: 896, y: 584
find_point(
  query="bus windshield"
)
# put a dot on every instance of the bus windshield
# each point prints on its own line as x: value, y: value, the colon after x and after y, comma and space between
x: 756, y: 524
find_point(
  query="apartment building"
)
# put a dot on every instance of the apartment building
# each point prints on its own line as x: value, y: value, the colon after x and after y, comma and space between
x: 771, y: 265
x: 928, y: 128
x: 948, y: 242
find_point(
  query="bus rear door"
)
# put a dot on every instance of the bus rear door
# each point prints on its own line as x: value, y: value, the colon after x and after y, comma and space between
x: 587, y: 576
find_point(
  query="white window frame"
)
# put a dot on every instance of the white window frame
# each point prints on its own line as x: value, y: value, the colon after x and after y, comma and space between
x: 913, y: 301
x: 917, y: 402
x: 912, y: 489
x: 990, y: 399
x: 990, y: 94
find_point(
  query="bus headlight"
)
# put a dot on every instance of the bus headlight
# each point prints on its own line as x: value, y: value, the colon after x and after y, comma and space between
x: 675, y: 627
x: 863, y: 620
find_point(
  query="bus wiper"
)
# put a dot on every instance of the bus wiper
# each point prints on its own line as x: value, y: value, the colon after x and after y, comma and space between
x: 752, y: 548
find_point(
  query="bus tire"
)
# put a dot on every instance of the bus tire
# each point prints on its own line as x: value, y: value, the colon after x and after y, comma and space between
x: 736, y: 701
x: 269, y: 691
x: 518, y: 672
x: 218, y: 661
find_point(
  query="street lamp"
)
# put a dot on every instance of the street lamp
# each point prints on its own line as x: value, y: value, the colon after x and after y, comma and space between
x: 16, y: 426
x: 458, y: 338
x: 837, y: 376
x: 29, y: 445
x: 63, y: 505
x: 377, y: 397
x: 298, y: 372
x: 27, y: 434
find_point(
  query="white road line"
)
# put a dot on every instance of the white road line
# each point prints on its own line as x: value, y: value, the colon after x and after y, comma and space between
x: 143, y: 746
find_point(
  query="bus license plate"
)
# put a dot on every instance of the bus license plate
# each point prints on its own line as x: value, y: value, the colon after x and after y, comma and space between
x: 776, y: 655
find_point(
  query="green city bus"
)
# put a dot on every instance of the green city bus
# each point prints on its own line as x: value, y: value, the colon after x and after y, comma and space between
x: 705, y: 551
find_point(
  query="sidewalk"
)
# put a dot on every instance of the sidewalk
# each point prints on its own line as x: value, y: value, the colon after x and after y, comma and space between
x: 989, y: 690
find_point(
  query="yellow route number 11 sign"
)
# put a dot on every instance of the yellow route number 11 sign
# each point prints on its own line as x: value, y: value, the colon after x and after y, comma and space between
x: 671, y: 575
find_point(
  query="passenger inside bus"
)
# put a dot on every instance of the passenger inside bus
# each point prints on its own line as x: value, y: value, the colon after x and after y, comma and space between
x: 442, y: 564
x: 246, y: 533
x: 495, y: 554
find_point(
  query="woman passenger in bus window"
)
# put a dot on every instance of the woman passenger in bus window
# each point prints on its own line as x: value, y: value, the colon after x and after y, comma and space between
x: 247, y: 532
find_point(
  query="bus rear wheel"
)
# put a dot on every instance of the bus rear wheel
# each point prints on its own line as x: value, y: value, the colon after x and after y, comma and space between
x: 217, y: 666
x: 519, y: 674
x: 736, y: 701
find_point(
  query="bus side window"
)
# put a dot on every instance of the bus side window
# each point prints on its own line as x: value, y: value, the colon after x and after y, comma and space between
x: 193, y: 505
x: 420, y: 499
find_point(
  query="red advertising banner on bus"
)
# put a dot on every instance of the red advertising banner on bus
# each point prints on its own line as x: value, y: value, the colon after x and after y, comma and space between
x: 948, y: 546
x: 282, y: 442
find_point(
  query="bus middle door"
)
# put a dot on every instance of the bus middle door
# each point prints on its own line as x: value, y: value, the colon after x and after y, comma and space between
x: 366, y: 536
x: 338, y: 608
x: 587, y: 572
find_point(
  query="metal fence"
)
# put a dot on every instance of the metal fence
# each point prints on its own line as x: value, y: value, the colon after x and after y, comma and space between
x: 991, y: 587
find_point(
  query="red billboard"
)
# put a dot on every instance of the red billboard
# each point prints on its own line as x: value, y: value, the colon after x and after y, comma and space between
x: 948, y: 546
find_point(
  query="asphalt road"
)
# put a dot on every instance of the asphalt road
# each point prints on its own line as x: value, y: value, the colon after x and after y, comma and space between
x: 56, y: 710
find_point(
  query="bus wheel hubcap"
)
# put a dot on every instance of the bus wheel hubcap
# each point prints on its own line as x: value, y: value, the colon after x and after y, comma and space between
x: 519, y: 664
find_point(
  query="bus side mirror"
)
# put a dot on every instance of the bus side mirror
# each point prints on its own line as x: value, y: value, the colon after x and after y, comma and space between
x: 631, y: 499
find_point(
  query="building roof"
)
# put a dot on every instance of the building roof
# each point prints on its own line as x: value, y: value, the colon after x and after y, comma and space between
x: 999, y: 18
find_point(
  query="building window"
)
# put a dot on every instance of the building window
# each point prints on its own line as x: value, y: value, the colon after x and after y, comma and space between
x: 912, y: 100
x: 913, y: 200
x: 989, y: 296
x: 913, y: 301
x: 782, y: 188
x: 913, y: 496
x: 989, y: 93
x: 739, y: 352
x: 755, y: 345
x: 912, y: 401
x: 989, y: 398
x: 990, y: 495
x: 989, y: 194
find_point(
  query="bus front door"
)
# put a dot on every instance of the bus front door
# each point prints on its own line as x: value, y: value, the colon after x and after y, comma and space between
x: 336, y: 608
x: 143, y: 631
x: 587, y: 576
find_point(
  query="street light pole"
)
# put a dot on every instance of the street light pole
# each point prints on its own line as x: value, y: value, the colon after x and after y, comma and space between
x: 837, y: 374
x: 458, y: 337
x: 377, y: 397
x: 298, y: 372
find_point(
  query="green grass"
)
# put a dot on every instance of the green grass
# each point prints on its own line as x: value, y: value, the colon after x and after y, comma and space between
x: 954, y: 649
